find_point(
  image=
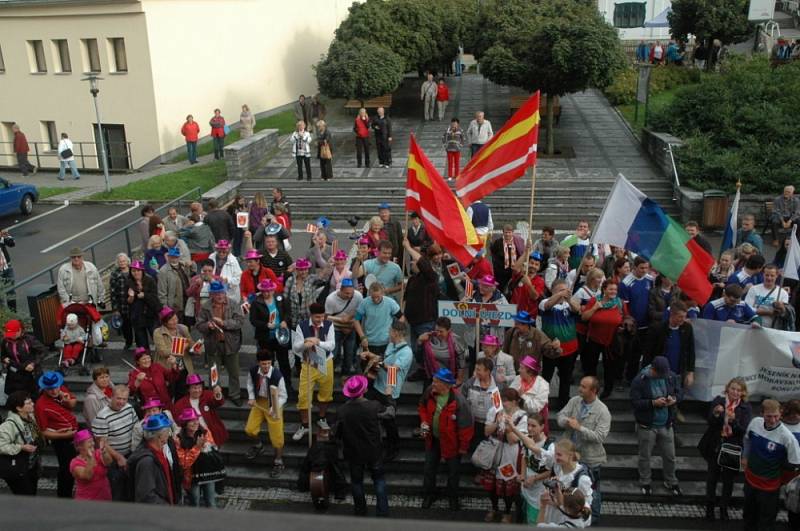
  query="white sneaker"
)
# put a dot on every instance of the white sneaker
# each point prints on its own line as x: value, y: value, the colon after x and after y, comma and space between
x: 300, y: 433
x: 323, y: 424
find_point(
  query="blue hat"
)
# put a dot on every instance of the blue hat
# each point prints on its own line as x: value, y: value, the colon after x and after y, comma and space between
x: 216, y: 287
x: 323, y: 222
x: 536, y: 255
x: 51, y: 380
x: 157, y: 422
x: 445, y: 376
x: 174, y: 251
x: 272, y: 229
x: 523, y: 317
x: 347, y: 282
x: 384, y: 205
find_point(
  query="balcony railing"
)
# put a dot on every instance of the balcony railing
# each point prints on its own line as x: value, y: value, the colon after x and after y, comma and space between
x: 87, y: 156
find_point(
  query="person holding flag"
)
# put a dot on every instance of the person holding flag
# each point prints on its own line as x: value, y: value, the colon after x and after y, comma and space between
x: 269, y: 315
x: 172, y: 339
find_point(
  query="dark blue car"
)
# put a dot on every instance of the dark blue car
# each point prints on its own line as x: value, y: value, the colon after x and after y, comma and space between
x: 17, y: 198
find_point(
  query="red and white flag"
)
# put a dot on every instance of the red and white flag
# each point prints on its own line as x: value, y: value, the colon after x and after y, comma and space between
x: 469, y: 289
x: 391, y: 375
x: 214, y: 375
x: 312, y: 228
x: 497, y: 402
x: 179, y: 345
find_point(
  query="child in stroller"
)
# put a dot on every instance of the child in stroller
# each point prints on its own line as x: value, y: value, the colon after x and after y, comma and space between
x: 74, y: 338
x: 86, y: 315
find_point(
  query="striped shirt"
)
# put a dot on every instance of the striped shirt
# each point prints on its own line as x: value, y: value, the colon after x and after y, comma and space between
x: 116, y: 427
x: 559, y: 323
x: 767, y: 451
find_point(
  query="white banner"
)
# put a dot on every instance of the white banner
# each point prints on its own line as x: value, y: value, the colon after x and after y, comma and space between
x: 768, y: 360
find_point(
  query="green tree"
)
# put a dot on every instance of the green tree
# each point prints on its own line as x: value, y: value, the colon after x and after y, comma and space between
x: 556, y: 46
x: 359, y: 69
x: 707, y: 20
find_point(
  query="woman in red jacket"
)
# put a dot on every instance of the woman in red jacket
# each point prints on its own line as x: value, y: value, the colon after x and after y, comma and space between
x: 217, y: 124
x: 191, y: 131
x: 605, y: 317
x: 442, y: 97
x: 151, y: 380
x: 205, y: 402
x: 361, y: 129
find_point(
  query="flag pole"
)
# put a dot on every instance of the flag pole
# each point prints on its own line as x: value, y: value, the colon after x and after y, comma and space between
x: 405, y: 262
x: 530, y: 214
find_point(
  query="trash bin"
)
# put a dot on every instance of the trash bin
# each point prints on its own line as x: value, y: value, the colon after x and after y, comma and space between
x: 715, y: 209
x: 44, y: 305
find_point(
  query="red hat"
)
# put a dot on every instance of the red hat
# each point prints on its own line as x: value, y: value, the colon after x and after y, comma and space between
x: 13, y: 327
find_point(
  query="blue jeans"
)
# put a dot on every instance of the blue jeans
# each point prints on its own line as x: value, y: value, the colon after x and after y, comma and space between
x: 208, y: 493
x: 73, y: 168
x: 597, y: 497
x: 345, y: 352
x: 191, y: 150
x: 357, y: 486
x: 416, y: 331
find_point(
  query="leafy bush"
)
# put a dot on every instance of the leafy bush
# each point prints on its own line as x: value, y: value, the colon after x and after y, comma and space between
x: 623, y: 90
x: 741, y: 124
x: 359, y: 69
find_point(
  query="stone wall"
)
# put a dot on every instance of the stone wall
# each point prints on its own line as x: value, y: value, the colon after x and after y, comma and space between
x: 655, y: 144
x: 244, y: 157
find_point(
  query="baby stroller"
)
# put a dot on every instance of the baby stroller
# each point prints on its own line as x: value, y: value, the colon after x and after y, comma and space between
x: 88, y: 316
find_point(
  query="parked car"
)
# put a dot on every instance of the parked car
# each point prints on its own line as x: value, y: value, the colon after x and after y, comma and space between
x: 17, y: 197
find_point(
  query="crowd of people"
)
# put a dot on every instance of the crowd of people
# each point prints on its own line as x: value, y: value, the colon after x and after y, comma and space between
x: 589, y: 314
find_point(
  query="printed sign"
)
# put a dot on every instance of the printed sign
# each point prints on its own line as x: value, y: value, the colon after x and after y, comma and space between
x: 242, y: 219
x: 197, y: 348
x: 312, y: 228
x: 468, y: 312
x: 453, y: 270
x: 272, y: 316
x: 497, y: 402
x: 469, y: 289
x: 391, y: 375
x: 179, y: 345
x: 214, y: 375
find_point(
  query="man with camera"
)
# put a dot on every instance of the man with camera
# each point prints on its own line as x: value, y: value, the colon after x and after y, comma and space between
x: 654, y: 392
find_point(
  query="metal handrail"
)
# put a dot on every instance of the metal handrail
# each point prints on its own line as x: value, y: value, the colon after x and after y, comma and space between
x: 44, y: 150
x: 676, y: 182
x: 194, y: 193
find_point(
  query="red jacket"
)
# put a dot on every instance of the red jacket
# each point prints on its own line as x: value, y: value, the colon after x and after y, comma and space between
x: 480, y: 269
x: 217, y: 126
x: 208, y: 410
x: 361, y: 127
x: 455, y: 423
x: 154, y: 384
x: 442, y: 93
x: 190, y: 131
x: 20, y: 143
x: 247, y: 286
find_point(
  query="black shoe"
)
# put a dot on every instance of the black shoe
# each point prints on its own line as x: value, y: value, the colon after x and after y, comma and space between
x: 674, y: 489
x: 427, y: 502
x: 606, y: 392
x: 236, y: 402
x: 454, y: 505
x: 309, y: 179
x: 709, y: 512
x: 300, y: 178
x: 723, y: 514
x: 646, y: 490
x: 391, y: 454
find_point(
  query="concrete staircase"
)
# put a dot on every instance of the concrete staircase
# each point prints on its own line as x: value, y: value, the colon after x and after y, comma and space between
x: 404, y: 475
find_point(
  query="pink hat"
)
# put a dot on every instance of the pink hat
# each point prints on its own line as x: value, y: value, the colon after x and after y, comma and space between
x: 531, y: 363
x: 364, y: 240
x: 340, y: 255
x: 80, y: 436
x: 252, y: 254
x: 194, y: 379
x: 355, y: 386
x: 223, y: 244
x: 488, y: 280
x: 187, y: 415
x: 165, y: 314
x: 139, y: 352
x: 302, y: 264
x: 151, y: 403
x: 267, y: 285
x: 137, y: 264
x: 491, y: 340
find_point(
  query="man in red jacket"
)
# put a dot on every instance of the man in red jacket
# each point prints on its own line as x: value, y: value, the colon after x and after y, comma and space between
x: 446, y: 425
x: 21, y: 148
x: 255, y: 273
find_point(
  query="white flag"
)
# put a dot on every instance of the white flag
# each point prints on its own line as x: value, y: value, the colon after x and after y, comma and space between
x: 792, y: 262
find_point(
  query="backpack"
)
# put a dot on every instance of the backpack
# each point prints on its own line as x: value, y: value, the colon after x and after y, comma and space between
x: 583, y: 470
x: 792, y: 493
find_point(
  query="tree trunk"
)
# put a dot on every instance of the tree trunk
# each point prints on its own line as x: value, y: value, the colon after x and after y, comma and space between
x: 550, y: 109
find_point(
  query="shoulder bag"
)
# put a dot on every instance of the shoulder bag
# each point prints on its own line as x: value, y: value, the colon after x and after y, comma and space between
x: 487, y: 455
x: 14, y: 466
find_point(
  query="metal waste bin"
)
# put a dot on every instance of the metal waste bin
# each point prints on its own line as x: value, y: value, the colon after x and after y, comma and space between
x: 715, y: 209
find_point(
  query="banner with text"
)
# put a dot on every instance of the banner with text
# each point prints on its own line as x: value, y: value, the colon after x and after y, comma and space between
x: 768, y: 360
x: 489, y: 313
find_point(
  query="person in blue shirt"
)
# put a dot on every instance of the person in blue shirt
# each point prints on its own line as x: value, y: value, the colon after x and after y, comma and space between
x: 748, y: 234
x: 387, y: 272
x: 398, y: 354
x: 750, y: 275
x: 635, y: 290
x: 730, y: 309
x: 374, y: 317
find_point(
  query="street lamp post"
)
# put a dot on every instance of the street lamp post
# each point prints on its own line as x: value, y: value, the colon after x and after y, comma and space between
x: 94, y: 89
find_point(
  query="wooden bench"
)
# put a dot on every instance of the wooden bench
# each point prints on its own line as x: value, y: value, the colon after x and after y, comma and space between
x: 384, y: 101
x: 517, y: 101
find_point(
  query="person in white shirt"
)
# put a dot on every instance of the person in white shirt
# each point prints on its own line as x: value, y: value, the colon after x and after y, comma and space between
x: 301, y: 150
x: 478, y: 133
x: 66, y: 157
x: 227, y: 268
x: 767, y: 299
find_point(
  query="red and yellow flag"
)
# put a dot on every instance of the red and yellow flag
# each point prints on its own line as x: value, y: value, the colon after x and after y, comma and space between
x: 505, y: 157
x: 445, y: 219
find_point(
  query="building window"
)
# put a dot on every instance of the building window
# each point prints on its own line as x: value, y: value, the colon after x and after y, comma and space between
x: 630, y: 14
x: 91, y: 55
x: 61, y: 48
x: 49, y: 132
x: 37, y: 60
x: 2, y: 63
x: 119, y: 58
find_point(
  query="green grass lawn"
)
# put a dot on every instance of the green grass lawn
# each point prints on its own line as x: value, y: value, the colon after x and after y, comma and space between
x: 657, y: 101
x: 50, y: 191
x: 284, y: 122
x: 170, y: 185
